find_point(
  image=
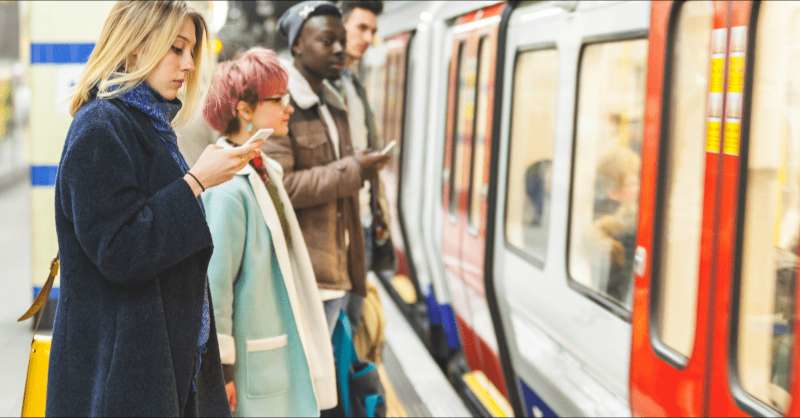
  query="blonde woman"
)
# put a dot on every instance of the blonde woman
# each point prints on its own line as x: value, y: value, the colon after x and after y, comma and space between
x: 274, y: 341
x: 134, y: 333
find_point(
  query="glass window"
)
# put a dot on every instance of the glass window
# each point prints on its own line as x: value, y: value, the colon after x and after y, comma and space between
x: 391, y: 97
x: 375, y: 84
x: 530, y: 155
x: 464, y: 116
x: 682, y: 209
x: 772, y: 210
x: 606, y: 168
x: 395, y: 108
x: 396, y: 86
x: 481, y: 133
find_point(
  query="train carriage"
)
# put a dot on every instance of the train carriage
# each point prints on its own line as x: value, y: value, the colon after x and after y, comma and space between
x: 598, y: 201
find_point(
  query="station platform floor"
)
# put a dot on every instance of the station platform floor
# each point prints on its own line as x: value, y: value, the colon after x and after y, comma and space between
x: 415, y: 385
x: 15, y: 292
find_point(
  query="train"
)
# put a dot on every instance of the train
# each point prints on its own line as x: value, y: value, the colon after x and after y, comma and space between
x: 596, y: 205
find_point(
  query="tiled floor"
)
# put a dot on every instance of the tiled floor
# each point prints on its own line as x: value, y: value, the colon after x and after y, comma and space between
x: 15, y: 293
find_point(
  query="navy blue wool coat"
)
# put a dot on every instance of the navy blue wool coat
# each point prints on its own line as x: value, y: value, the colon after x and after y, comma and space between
x: 134, y: 248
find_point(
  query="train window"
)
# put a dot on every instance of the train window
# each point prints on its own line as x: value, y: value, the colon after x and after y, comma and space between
x: 397, y: 87
x: 770, y: 243
x: 477, y: 191
x: 530, y: 155
x: 464, y: 116
x: 392, y: 93
x: 455, y: 140
x: 375, y: 84
x: 606, y: 169
x: 682, y: 207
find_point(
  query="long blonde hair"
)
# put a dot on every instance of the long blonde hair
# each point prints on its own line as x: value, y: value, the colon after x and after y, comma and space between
x: 148, y: 29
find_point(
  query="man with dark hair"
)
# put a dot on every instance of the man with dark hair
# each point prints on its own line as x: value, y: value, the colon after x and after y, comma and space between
x: 361, y: 23
x: 321, y: 170
x: 374, y: 6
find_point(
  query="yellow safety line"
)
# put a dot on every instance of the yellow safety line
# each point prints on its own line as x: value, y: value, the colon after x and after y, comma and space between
x: 403, y: 286
x: 488, y: 395
x: 394, y: 407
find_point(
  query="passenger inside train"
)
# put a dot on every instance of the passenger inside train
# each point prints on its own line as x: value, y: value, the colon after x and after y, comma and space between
x: 615, y: 221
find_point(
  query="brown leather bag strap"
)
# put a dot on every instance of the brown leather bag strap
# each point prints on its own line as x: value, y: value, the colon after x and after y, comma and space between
x: 41, y: 299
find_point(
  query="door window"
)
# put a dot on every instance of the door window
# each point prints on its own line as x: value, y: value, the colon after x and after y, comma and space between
x: 606, y: 169
x: 682, y: 204
x: 768, y: 274
x: 481, y: 133
x: 530, y: 156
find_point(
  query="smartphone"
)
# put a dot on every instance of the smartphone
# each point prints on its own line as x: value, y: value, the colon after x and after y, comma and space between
x: 388, y: 148
x: 261, y: 134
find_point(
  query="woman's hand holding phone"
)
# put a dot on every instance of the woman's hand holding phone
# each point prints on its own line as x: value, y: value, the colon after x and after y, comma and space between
x: 217, y: 165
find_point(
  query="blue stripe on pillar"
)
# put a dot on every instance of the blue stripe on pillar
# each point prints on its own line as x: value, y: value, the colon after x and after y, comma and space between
x: 43, y: 175
x: 54, y: 292
x: 60, y: 53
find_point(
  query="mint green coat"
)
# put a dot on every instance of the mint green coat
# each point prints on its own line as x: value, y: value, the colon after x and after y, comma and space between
x: 269, y: 316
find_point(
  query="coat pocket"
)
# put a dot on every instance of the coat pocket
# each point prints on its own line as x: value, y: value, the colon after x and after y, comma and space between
x: 313, y: 150
x: 267, y: 366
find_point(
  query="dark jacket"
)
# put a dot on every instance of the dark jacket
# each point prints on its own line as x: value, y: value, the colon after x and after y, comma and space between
x: 378, y: 203
x: 134, y: 249
x: 323, y: 189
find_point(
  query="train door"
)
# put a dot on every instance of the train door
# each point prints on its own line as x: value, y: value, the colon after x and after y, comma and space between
x: 753, y: 355
x: 714, y: 312
x: 678, y: 199
x: 568, y: 176
x: 468, y: 133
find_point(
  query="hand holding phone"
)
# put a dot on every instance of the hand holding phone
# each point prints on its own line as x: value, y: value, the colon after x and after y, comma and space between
x: 388, y: 148
x: 217, y: 164
x: 262, y: 135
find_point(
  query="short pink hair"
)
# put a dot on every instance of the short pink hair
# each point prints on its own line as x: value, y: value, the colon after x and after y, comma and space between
x: 255, y: 75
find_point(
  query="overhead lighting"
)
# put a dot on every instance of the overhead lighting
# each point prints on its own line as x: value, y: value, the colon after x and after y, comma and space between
x: 219, y: 15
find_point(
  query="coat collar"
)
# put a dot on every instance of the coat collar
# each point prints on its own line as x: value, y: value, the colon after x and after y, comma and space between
x: 302, y: 94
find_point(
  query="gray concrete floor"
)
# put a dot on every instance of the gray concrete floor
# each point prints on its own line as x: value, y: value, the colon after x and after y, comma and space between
x: 15, y: 293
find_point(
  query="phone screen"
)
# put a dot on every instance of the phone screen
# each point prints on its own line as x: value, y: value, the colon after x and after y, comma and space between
x: 261, y: 134
x: 387, y: 149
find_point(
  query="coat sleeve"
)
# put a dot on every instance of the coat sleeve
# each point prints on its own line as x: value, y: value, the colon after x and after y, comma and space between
x: 316, y: 185
x: 129, y: 235
x: 227, y: 221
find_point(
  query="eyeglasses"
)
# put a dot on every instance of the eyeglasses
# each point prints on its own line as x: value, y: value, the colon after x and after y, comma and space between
x: 284, y: 100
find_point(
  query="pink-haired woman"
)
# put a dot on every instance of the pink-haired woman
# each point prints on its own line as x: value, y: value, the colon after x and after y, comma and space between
x: 274, y: 341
